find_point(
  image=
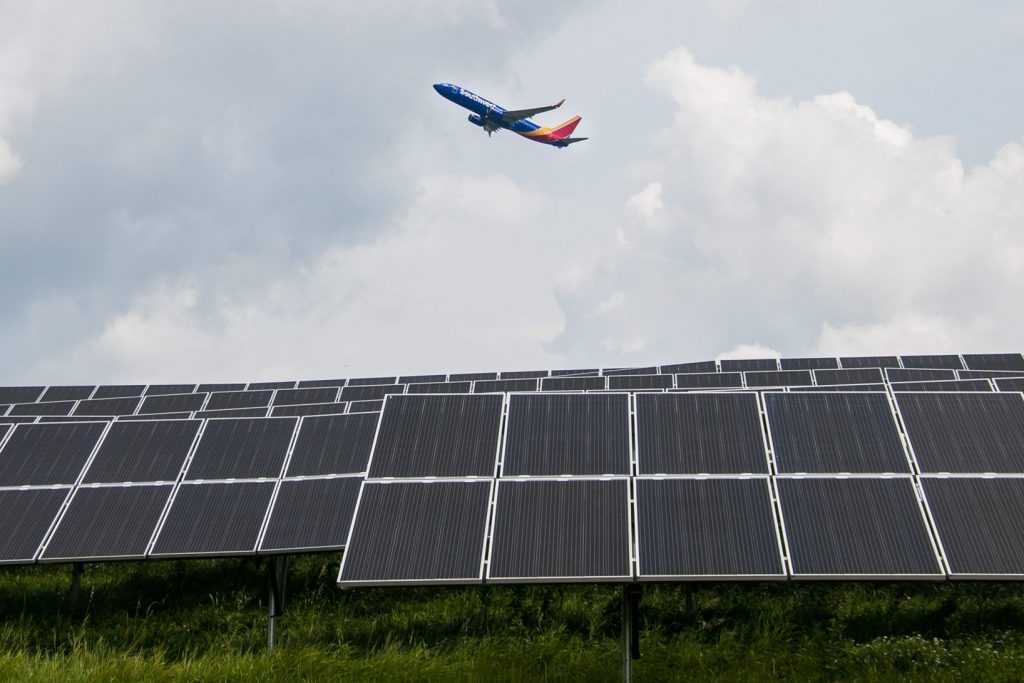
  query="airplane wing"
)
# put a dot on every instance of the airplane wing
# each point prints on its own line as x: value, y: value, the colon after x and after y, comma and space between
x: 513, y: 115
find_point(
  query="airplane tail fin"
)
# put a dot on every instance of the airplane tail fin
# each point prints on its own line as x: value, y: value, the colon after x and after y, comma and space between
x: 565, y: 129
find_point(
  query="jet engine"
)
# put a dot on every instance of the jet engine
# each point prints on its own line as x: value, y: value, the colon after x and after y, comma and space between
x: 476, y: 120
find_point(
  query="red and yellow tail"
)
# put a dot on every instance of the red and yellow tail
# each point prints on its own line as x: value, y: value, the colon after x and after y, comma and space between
x: 564, y: 129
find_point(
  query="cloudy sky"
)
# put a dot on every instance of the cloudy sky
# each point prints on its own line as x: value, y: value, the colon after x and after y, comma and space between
x: 238, y: 191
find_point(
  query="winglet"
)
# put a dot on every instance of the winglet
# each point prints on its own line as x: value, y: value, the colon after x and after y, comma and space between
x: 560, y: 103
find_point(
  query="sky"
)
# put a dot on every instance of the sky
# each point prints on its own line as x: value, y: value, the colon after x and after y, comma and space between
x: 246, y: 191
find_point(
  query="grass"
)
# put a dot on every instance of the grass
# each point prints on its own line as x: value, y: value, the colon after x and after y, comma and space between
x: 206, y: 620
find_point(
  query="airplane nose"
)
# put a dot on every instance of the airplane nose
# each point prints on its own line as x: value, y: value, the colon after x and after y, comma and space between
x: 439, y: 87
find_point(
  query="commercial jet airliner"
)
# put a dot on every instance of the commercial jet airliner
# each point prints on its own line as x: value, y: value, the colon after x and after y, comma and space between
x: 491, y: 117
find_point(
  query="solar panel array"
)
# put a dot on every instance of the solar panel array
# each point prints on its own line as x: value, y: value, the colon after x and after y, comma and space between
x: 759, y: 469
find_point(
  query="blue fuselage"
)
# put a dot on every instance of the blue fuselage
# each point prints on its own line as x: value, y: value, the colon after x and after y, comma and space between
x: 490, y: 113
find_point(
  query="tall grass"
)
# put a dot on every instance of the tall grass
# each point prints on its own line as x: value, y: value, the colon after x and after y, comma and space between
x: 206, y: 620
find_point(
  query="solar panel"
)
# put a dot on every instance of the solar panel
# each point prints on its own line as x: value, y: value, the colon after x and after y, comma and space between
x: 850, y: 528
x: 27, y: 515
x: 438, y: 436
x: 66, y: 393
x: 568, y: 530
x: 716, y: 380
x: 4, y: 407
x: 311, y: 409
x: 262, y: 386
x: 48, y: 454
x: 365, y: 406
x: 107, y: 523
x: 214, y: 519
x: 948, y: 385
x: 987, y: 374
x: 699, y: 433
x: 980, y: 523
x: 964, y: 432
x: 558, y: 434
x: 440, y: 388
x: 417, y: 533
x: 706, y: 529
x: 471, y: 376
x: 54, y: 408
x: 491, y: 386
x: 779, y: 378
x: 1012, y: 384
x: 834, y: 433
x: 857, y: 376
x: 13, y: 419
x: 161, y: 416
x: 239, y: 412
x: 223, y: 386
x: 523, y: 374
x: 119, y: 391
x: 172, y: 403
x: 917, y: 375
x: 245, y: 448
x: 153, y: 450
x: 336, y: 444
x: 639, y: 382
x: 841, y: 387
x: 573, y: 383
x: 20, y: 394
x: 373, y: 392
x: 294, y: 397
x: 163, y: 389
x: 808, y: 363
x: 370, y: 381
x: 239, y: 399
x: 103, y: 407
x: 749, y: 364
x: 994, y: 361
x: 699, y: 366
x: 421, y: 379
x: 311, y: 514
x: 951, y: 361
x: 869, y: 362
x: 586, y: 372
x: 620, y: 372
x: 314, y: 383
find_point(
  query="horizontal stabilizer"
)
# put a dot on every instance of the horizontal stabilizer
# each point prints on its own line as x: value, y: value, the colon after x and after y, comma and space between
x: 565, y: 142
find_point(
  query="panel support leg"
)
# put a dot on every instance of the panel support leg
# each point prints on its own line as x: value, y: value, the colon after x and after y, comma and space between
x: 631, y: 593
x: 277, y: 573
x: 77, y: 569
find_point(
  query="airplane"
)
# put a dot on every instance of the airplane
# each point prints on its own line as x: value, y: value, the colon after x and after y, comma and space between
x: 491, y: 117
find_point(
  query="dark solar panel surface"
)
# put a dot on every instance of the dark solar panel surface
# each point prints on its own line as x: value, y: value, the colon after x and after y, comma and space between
x: 222, y: 386
x: 561, y: 530
x: 781, y: 378
x: 311, y: 409
x: 370, y: 381
x: 366, y: 406
x: 119, y: 390
x: 311, y: 514
x: 987, y: 374
x: 416, y: 532
x: 699, y: 366
x: 172, y: 403
x: 489, y: 386
x: 471, y: 376
x: 964, y: 432
x: 855, y: 527
x: 107, y: 406
x: 699, y: 433
x: 27, y: 515
x: 980, y: 523
x: 373, y: 392
x: 994, y: 361
x: 421, y: 379
x: 214, y: 519
x: 951, y: 361
x: 53, y: 408
x: 918, y: 375
x: 831, y: 433
x: 723, y: 380
x: 1011, y: 384
x: 639, y: 382
x: 20, y: 394
x: 808, y: 363
x: 239, y: 399
x: 706, y: 528
x: 438, y: 436
x: 749, y: 364
x: 574, y: 383
x: 558, y: 434
x: 335, y: 444
x: 869, y: 362
x: 950, y: 385
x: 242, y: 448
x: 856, y: 376
x: 66, y: 393
x: 108, y: 522
x: 586, y: 372
x: 162, y: 389
x: 294, y: 397
x: 840, y: 387
x: 152, y: 450
x: 314, y: 383
x: 238, y: 412
x: 440, y: 388
x: 523, y: 374
x: 47, y: 454
x: 261, y: 386
x: 621, y: 372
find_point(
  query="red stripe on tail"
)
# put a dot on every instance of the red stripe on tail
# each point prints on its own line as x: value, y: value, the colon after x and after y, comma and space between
x: 564, y: 130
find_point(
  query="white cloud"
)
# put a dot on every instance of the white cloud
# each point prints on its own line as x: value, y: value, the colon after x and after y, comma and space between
x: 745, y: 351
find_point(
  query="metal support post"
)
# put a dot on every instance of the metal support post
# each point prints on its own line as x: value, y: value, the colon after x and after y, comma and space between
x: 277, y: 574
x: 77, y: 569
x: 630, y: 628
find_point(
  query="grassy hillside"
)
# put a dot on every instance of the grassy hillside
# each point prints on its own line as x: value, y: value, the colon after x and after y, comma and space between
x: 186, y: 621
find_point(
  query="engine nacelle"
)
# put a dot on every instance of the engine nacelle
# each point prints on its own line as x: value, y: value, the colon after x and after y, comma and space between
x: 476, y: 120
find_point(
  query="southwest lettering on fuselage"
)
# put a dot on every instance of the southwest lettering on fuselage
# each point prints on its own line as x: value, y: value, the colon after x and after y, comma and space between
x: 492, y: 117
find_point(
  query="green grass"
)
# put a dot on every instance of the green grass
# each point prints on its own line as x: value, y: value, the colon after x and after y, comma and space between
x: 190, y: 621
